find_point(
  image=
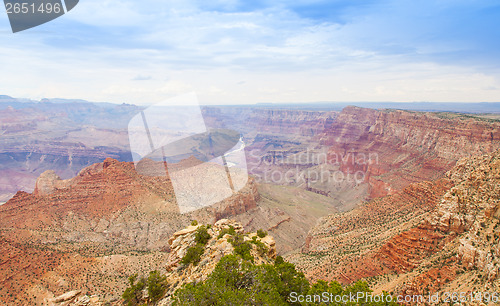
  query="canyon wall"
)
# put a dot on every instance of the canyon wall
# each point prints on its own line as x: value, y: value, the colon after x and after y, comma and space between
x: 287, y: 123
x: 395, y: 148
x: 110, y: 202
x: 36, y: 137
x: 429, y: 237
x: 88, y: 231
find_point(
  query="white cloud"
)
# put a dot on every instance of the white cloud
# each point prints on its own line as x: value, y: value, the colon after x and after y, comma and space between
x: 99, y: 49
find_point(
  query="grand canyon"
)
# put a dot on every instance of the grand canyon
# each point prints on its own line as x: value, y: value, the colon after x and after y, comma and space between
x: 406, y: 200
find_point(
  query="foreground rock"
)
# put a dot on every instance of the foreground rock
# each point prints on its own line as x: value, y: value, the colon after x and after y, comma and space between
x: 214, y: 250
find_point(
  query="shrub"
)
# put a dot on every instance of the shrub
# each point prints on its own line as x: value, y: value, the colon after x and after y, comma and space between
x: 239, y: 282
x: 194, y: 223
x: 229, y: 231
x: 261, y: 247
x: 156, y: 286
x: 193, y: 255
x: 241, y: 247
x: 202, y: 236
x: 234, y: 282
x: 261, y: 233
x: 133, y: 293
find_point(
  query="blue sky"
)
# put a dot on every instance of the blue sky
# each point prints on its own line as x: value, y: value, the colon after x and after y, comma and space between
x: 235, y: 52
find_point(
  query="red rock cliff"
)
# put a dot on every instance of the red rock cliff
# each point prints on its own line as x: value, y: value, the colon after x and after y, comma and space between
x: 116, y: 202
x: 396, y: 148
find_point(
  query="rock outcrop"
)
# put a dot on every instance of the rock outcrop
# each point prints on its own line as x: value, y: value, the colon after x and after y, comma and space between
x: 64, y: 137
x: 424, y: 226
x: 177, y: 273
x: 216, y: 248
x: 350, y: 239
x: 101, y: 198
x: 374, y: 152
x: 298, y: 123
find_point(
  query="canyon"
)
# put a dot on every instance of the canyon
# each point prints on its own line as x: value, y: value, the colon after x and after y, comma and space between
x: 383, y: 195
x: 107, y: 215
x: 63, y: 137
x: 437, y: 236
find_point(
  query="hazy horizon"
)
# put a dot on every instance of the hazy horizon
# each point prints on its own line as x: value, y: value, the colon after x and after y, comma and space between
x: 458, y: 107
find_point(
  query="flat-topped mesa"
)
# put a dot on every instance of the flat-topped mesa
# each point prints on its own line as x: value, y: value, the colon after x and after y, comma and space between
x: 291, y: 122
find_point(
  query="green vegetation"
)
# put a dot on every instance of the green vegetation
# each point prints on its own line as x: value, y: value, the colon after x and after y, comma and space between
x: 194, y: 223
x: 241, y: 247
x: 261, y: 233
x: 229, y: 231
x: 156, y: 285
x: 133, y: 294
x: 193, y: 254
x: 463, y: 116
x: 261, y: 247
x: 235, y: 281
x: 202, y: 236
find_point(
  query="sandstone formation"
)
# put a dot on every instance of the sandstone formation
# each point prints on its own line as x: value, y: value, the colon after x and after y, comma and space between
x: 101, y: 199
x: 390, y: 148
x: 405, y: 147
x: 342, y: 239
x: 356, y: 154
x: 87, y: 229
x: 179, y: 274
x: 108, y: 209
x: 36, y: 137
x: 417, y: 224
x: 214, y: 250
x: 448, y: 243
x: 290, y: 123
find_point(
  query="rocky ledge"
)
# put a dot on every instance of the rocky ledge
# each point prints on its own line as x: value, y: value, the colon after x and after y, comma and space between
x: 218, y: 246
